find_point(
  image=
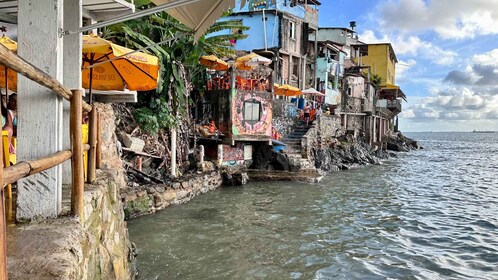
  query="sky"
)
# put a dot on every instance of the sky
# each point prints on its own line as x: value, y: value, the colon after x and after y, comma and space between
x: 447, y: 52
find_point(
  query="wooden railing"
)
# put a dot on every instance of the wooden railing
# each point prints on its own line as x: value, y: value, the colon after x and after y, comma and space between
x: 29, y: 167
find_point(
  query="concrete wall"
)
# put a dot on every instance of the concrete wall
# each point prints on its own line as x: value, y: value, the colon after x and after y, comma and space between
x: 256, y: 39
x: 381, y: 63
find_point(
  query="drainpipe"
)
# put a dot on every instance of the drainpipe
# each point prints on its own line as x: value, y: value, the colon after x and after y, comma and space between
x: 316, y: 57
x: 264, y: 28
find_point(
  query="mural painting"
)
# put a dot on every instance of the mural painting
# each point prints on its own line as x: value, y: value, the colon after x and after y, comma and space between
x: 233, y: 155
x: 251, y: 113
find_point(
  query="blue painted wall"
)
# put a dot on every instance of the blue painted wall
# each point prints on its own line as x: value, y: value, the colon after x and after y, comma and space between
x: 255, y: 40
x: 281, y: 5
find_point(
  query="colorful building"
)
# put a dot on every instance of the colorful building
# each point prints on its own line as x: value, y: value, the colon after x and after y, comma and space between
x: 280, y: 30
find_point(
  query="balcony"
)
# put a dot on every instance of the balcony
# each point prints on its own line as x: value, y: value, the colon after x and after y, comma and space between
x: 311, y: 16
x: 394, y: 105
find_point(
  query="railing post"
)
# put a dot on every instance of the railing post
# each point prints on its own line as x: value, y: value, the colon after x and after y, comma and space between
x: 98, y: 158
x: 78, y: 183
x: 3, y: 225
x: 92, y: 140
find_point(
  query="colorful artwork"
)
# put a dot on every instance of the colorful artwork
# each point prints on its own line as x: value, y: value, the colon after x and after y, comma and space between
x: 233, y: 153
x: 240, y: 125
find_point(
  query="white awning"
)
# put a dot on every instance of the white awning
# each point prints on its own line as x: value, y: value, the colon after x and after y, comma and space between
x: 199, y: 15
x: 95, y: 9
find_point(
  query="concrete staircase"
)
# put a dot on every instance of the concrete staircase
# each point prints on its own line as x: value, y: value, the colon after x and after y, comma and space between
x: 294, y: 150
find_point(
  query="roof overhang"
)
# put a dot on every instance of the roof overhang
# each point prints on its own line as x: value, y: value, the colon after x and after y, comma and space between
x: 95, y: 9
x: 392, y: 92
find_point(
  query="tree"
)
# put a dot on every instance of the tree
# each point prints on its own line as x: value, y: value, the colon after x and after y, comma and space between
x: 180, y: 72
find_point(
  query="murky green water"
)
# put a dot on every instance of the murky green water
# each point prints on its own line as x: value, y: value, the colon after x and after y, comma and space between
x: 431, y: 214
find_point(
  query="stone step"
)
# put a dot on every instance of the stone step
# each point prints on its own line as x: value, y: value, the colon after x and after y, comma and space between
x: 274, y: 175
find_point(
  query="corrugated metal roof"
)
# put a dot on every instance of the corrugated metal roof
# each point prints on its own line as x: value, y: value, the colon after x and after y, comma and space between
x: 96, y: 8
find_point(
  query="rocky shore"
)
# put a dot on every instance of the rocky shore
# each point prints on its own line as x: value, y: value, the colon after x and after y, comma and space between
x: 349, y: 152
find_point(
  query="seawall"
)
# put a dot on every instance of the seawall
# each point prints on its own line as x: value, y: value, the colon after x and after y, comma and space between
x: 65, y: 248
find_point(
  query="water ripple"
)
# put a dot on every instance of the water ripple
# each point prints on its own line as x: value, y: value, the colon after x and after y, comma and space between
x: 430, y: 214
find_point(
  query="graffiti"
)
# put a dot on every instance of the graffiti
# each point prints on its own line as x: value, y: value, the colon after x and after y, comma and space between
x: 235, y: 153
x: 253, y: 127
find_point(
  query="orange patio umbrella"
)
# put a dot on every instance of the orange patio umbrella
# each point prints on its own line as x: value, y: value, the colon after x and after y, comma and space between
x: 213, y: 62
x: 247, y: 62
x: 287, y: 90
x: 8, y: 77
x: 107, y: 66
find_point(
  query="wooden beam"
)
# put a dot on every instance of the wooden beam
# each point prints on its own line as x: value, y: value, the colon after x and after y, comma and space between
x: 92, y: 153
x: 3, y: 225
x: 16, y: 63
x: 25, y: 168
x: 98, y: 157
x: 78, y: 182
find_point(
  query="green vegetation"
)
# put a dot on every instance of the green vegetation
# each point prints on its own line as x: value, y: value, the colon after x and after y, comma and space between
x: 179, y: 55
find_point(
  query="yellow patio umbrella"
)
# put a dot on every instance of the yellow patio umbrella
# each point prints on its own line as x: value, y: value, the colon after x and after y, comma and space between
x: 8, y: 77
x: 107, y: 66
x: 213, y: 62
x: 287, y: 90
x: 247, y: 62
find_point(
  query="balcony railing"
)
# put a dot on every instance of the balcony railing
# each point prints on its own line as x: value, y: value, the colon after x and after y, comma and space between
x: 394, y: 105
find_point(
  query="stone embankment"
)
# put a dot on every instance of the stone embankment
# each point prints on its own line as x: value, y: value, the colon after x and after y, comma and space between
x: 65, y: 248
x: 140, y: 200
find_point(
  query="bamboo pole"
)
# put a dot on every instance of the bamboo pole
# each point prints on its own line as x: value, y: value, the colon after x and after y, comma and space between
x: 78, y: 183
x: 3, y: 225
x: 21, y: 66
x: 25, y: 168
x: 92, y: 139
x: 98, y: 158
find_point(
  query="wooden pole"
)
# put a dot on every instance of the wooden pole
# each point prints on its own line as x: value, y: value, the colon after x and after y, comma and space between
x: 99, y: 142
x: 173, y: 152
x: 92, y: 139
x: 16, y: 63
x: 78, y: 183
x: 3, y: 225
x: 25, y: 168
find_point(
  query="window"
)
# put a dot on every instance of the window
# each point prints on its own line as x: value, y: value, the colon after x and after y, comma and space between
x: 252, y: 111
x: 292, y: 30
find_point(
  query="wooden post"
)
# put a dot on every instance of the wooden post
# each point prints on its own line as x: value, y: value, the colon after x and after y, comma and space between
x: 3, y: 226
x: 78, y: 184
x: 173, y: 152
x: 99, y: 143
x: 92, y: 140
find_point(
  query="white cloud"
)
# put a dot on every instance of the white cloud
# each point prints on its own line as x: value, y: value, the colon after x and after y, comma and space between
x: 411, y: 45
x: 450, y: 19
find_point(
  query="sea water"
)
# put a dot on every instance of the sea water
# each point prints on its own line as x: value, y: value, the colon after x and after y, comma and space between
x: 428, y: 214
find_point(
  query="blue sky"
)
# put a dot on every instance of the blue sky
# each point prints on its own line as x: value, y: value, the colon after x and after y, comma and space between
x: 448, y: 54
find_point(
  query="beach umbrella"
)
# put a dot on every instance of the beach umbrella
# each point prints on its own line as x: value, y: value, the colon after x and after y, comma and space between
x: 213, y: 62
x: 247, y: 62
x: 313, y: 92
x: 107, y: 66
x: 8, y: 77
x: 287, y: 90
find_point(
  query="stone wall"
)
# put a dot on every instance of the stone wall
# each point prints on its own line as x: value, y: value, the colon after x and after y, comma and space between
x: 142, y: 200
x: 65, y: 248
x: 324, y: 133
x: 283, y: 125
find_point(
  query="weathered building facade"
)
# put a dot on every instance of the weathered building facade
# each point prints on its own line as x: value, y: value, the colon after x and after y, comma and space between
x: 280, y: 31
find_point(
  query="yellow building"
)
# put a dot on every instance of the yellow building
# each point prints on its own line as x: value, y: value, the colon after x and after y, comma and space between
x: 382, y: 61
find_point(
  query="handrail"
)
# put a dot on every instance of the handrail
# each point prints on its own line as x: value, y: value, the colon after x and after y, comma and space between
x: 26, y: 168
x: 29, y: 167
x: 21, y: 66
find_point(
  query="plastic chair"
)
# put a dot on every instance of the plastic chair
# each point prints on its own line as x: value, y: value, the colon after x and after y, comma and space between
x: 8, y: 158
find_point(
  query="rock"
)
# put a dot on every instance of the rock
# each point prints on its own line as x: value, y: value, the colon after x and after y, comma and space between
x: 134, y: 143
x: 176, y: 186
x: 280, y: 161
